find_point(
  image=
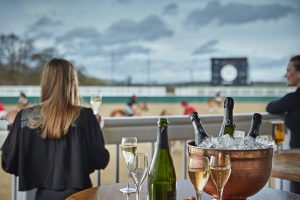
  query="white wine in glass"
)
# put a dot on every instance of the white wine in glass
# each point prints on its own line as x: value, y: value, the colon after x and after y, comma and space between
x: 128, y: 148
x: 198, y: 170
x: 220, y: 169
x: 96, y: 101
x: 128, y: 151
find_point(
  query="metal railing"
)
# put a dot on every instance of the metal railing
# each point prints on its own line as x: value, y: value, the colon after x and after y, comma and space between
x: 180, y: 128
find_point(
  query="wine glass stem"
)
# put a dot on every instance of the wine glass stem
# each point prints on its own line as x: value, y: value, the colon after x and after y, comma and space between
x: 128, y: 177
x: 198, y: 195
x: 137, y: 193
x: 220, y: 192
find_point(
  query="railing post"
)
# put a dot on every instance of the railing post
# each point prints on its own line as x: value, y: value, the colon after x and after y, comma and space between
x: 14, y: 187
x: 117, y: 163
x: 184, y: 159
x: 98, y: 178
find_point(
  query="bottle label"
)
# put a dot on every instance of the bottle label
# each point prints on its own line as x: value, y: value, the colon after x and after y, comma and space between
x: 201, y: 130
x: 227, y: 122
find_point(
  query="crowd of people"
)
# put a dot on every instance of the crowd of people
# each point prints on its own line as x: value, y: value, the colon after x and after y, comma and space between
x: 60, y: 129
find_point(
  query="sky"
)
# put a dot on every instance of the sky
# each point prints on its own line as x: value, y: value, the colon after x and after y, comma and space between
x: 160, y: 41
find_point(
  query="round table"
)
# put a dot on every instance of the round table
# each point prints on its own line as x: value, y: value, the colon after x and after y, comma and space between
x: 184, y: 190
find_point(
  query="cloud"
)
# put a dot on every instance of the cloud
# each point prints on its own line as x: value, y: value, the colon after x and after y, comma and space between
x: 170, y: 9
x: 236, y: 13
x: 85, y: 34
x: 128, y: 50
x: 126, y: 33
x: 149, y: 29
x: 260, y: 68
x: 42, y: 28
x: 123, y: 1
x: 208, y: 47
x: 269, y: 63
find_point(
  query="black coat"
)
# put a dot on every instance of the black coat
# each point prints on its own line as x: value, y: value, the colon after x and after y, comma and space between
x: 290, y: 106
x: 54, y: 164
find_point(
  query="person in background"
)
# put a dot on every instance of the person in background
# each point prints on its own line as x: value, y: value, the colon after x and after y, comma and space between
x: 23, y: 100
x: 22, y: 103
x: 129, y: 105
x: 219, y: 98
x: 2, y: 111
x: 187, y: 108
x: 54, y: 146
x: 165, y: 112
x: 289, y: 105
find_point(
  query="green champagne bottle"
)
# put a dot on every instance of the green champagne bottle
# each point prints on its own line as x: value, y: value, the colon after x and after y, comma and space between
x: 227, y: 125
x: 255, y: 124
x: 162, y: 177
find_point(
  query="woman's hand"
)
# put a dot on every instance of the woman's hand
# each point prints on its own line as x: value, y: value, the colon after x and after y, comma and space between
x: 100, y: 120
x: 98, y: 117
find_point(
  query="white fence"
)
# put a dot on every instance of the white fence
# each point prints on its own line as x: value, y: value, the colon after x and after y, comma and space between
x: 34, y: 91
x: 233, y: 91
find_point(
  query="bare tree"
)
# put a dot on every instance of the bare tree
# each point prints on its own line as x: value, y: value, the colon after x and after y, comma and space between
x: 44, y: 56
x: 15, y: 52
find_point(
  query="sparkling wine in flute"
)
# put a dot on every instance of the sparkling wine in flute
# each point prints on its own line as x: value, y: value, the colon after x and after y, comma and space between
x: 220, y: 175
x: 128, y: 148
x: 96, y: 101
x: 128, y: 152
x: 198, y: 178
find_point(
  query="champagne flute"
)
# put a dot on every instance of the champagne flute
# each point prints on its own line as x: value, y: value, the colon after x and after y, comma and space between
x: 128, y: 148
x: 139, y: 170
x: 198, y: 170
x: 220, y: 169
x: 96, y: 101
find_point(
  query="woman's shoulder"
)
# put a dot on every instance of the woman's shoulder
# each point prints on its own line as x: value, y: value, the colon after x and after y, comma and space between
x: 84, y: 109
x: 85, y: 112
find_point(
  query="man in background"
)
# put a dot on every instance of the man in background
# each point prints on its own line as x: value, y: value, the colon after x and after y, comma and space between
x: 187, y: 108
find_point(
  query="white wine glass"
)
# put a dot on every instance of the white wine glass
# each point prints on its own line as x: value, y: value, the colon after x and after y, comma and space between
x: 128, y: 148
x: 198, y: 170
x: 220, y: 169
x: 96, y: 101
x: 139, y: 171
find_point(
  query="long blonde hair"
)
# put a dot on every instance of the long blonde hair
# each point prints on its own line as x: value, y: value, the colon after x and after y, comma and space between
x: 59, y: 98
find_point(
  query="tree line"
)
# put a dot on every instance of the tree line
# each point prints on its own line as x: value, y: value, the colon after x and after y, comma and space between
x: 21, y: 63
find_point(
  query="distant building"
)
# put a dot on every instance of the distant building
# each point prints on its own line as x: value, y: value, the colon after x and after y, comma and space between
x: 229, y: 71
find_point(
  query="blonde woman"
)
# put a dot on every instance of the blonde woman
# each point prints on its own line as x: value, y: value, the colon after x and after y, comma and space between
x: 55, y: 145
